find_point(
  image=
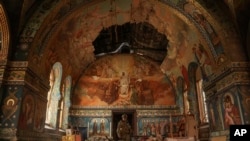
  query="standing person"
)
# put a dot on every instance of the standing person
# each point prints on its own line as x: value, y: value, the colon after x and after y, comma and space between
x: 124, y: 129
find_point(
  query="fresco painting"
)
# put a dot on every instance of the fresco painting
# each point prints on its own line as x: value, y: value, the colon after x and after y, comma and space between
x: 231, y: 110
x: 206, y: 26
x: 244, y: 96
x: 40, y: 115
x: 215, y: 115
x: 97, y: 126
x: 80, y: 30
x: 226, y: 109
x: 124, y: 80
x: 202, y: 58
x: 10, y: 106
x: 26, y: 119
x: 159, y: 126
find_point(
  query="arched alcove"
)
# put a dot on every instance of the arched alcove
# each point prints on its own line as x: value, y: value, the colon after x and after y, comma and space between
x: 54, y: 96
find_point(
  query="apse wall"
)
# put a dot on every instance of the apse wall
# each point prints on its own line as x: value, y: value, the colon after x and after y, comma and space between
x: 123, y: 83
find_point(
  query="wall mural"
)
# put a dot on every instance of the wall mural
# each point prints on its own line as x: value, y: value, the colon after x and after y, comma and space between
x: 97, y: 126
x: 231, y: 111
x: 229, y: 108
x: 155, y: 126
x: 40, y: 115
x: 26, y: 119
x: 75, y: 36
x: 244, y: 93
x: 10, y: 106
x: 215, y: 114
x: 124, y: 80
x: 206, y: 26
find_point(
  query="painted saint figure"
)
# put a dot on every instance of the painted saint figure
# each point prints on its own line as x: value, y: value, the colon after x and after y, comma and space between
x: 124, y: 84
x: 102, y: 127
x: 94, y: 128
x: 123, y: 128
x: 231, y: 112
x: 203, y: 59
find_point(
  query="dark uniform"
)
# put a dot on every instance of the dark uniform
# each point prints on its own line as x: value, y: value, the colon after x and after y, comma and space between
x: 123, y: 129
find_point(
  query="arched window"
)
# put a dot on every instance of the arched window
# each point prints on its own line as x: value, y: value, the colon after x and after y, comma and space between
x: 62, y: 106
x: 53, y: 96
x: 65, y: 103
x: 202, y: 102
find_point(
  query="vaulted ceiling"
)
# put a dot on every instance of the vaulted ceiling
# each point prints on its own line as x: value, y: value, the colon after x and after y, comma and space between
x: 77, y: 32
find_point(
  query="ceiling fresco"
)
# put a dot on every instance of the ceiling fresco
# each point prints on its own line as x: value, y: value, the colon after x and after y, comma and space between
x: 123, y: 79
x: 75, y: 36
x: 174, y: 33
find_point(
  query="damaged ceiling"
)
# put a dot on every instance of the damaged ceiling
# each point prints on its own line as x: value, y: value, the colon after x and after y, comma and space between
x: 76, y: 32
x: 139, y: 38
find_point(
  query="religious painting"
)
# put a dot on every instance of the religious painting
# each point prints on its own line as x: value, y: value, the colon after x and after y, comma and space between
x: 99, y: 127
x: 26, y: 119
x: 244, y: 96
x: 202, y: 58
x: 230, y: 110
x: 206, y: 26
x: 124, y: 79
x: 96, y: 126
x: 160, y: 126
x: 215, y: 114
x: 9, y: 106
x: 40, y: 115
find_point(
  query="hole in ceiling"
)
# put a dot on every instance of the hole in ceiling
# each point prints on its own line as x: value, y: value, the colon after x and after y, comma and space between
x: 140, y: 38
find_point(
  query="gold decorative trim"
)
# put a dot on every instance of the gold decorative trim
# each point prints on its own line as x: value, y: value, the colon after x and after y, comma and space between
x: 16, y: 76
x: 5, y: 35
x: 7, y: 133
x: 92, y: 113
x: 79, y: 107
x: 233, y: 79
x: 234, y: 72
x: 18, y: 64
x: 10, y: 105
x: 158, y: 113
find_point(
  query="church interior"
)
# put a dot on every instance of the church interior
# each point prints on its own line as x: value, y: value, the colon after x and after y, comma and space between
x: 71, y: 69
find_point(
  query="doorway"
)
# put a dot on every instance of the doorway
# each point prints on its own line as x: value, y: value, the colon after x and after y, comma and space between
x: 117, y: 116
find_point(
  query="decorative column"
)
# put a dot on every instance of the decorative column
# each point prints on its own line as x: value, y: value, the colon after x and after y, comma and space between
x: 23, y: 103
x: 180, y: 96
x: 3, y: 64
x: 192, y: 91
x: 228, y: 98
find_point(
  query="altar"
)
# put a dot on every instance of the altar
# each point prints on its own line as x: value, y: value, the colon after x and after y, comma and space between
x: 71, y: 135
